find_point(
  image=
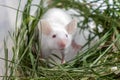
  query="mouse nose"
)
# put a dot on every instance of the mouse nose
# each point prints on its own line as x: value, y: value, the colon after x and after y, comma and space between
x: 62, y: 44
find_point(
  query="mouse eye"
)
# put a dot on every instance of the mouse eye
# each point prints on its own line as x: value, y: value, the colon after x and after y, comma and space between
x: 66, y: 35
x: 54, y: 36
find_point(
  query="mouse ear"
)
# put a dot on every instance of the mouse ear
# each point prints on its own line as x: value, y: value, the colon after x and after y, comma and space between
x: 71, y: 27
x: 45, y: 27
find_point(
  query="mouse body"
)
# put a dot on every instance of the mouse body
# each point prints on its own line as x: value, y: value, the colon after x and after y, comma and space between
x: 56, y: 29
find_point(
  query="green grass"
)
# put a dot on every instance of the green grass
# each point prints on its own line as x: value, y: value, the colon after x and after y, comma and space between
x: 95, y: 63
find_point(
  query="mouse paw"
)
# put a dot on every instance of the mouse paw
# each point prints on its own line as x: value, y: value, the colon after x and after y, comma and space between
x: 63, y: 61
x: 76, y: 46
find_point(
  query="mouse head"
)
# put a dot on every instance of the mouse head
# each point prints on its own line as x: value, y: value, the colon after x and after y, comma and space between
x: 58, y: 38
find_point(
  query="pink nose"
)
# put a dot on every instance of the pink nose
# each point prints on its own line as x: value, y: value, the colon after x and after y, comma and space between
x: 62, y: 44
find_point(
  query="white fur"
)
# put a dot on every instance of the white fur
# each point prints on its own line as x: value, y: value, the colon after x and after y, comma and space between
x: 58, y: 21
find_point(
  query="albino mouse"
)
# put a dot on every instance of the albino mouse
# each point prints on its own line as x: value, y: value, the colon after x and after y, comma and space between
x: 56, y: 29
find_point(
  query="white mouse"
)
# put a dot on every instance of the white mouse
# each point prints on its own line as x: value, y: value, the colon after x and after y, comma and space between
x: 56, y: 29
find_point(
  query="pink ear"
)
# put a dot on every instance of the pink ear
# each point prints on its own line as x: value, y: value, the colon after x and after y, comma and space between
x: 45, y: 27
x: 71, y: 26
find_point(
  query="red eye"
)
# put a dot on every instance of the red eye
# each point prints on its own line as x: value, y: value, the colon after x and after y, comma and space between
x: 53, y: 36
